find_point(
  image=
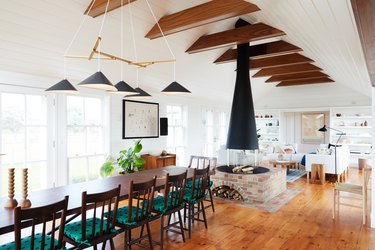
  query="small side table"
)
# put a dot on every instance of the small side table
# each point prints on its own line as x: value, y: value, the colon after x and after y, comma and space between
x: 287, y: 164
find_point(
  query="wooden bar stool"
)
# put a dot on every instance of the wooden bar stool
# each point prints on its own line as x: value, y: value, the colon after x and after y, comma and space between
x: 318, y: 173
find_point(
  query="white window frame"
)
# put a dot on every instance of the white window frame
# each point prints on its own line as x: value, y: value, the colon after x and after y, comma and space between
x: 105, y: 132
x: 183, y: 125
x: 50, y: 123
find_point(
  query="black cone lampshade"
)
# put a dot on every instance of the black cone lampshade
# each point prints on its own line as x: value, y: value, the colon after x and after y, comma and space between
x: 97, y: 81
x: 141, y: 93
x: 323, y: 129
x: 63, y: 87
x: 123, y: 89
x: 242, y: 132
x: 175, y: 89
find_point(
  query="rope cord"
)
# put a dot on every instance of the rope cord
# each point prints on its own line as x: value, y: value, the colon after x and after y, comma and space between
x: 122, y: 40
x: 100, y: 32
x: 75, y: 35
x: 165, y: 39
x: 134, y: 43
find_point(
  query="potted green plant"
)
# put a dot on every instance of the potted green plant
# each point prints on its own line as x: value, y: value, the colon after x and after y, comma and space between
x: 127, y: 162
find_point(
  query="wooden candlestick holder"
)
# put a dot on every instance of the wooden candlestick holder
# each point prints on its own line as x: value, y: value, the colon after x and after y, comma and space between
x: 24, y: 202
x: 11, y: 202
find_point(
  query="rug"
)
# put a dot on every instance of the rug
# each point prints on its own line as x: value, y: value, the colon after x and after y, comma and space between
x: 295, y: 174
x: 272, y: 205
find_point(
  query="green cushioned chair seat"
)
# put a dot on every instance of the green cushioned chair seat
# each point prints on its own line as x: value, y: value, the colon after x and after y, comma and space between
x: 189, y: 184
x: 25, y: 243
x: 122, y: 216
x: 74, y: 230
x: 158, y: 204
x: 187, y: 195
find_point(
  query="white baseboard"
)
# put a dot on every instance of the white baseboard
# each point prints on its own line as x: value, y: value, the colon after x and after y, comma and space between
x: 372, y: 218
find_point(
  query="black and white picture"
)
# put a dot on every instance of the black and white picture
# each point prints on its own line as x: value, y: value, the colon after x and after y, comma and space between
x: 140, y: 120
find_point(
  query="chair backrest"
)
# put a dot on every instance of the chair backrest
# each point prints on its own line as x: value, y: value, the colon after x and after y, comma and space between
x: 201, y: 162
x: 200, y: 180
x: 142, y: 194
x: 102, y: 203
x: 41, y: 215
x: 174, y: 189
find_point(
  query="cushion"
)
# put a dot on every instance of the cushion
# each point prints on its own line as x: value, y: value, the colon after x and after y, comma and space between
x: 187, y: 195
x: 74, y: 230
x: 158, y: 204
x: 25, y: 243
x: 122, y: 216
x: 189, y: 184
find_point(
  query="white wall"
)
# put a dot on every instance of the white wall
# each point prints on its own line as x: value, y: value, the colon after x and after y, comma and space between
x: 195, y: 133
x: 292, y: 130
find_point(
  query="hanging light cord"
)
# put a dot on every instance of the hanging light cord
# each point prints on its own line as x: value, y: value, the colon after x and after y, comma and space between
x: 133, y: 38
x: 75, y: 36
x: 122, y: 40
x: 100, y: 32
x: 165, y: 39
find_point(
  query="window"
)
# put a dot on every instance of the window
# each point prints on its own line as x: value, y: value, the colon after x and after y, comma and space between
x: 215, y: 127
x: 176, y: 139
x: 85, y: 138
x: 23, y: 134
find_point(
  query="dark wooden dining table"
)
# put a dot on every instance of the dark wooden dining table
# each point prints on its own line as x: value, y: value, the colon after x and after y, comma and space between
x: 51, y: 195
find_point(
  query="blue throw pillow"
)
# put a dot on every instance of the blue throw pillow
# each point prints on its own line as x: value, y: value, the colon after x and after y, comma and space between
x: 303, y: 161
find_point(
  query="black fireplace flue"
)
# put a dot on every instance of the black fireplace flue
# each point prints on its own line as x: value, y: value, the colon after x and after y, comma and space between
x: 242, y: 133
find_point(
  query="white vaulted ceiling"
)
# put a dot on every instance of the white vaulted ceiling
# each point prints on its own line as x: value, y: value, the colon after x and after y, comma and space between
x: 35, y: 34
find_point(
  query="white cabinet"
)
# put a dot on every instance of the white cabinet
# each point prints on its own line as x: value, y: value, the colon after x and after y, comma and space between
x: 268, y: 125
x: 356, y: 126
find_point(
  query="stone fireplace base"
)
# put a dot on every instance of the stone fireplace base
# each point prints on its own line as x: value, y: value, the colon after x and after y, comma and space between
x: 257, y: 188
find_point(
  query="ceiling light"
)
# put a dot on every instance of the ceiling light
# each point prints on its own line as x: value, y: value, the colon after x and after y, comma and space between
x: 123, y: 89
x: 97, y: 81
x: 175, y: 89
x: 141, y: 93
x: 63, y: 87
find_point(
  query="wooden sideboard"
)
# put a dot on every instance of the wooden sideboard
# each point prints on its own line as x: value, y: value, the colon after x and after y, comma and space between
x: 152, y: 162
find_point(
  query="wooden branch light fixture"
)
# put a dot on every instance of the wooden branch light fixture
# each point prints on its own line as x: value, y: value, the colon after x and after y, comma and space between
x: 106, y: 56
x: 98, y: 80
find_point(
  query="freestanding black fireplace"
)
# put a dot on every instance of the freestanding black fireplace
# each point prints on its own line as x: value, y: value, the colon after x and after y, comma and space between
x: 242, y: 142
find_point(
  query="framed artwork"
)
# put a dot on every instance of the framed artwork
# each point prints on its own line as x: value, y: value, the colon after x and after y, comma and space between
x: 140, y: 119
x: 311, y: 123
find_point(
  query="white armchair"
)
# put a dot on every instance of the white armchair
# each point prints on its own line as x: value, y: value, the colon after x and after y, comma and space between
x: 343, y: 160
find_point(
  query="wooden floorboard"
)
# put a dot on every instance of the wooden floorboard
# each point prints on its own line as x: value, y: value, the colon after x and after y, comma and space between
x: 303, y: 223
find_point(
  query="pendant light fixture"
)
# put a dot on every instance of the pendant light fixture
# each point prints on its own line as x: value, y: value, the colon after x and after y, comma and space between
x: 62, y: 87
x: 122, y: 88
x: 174, y: 88
x: 141, y: 93
x: 98, y: 80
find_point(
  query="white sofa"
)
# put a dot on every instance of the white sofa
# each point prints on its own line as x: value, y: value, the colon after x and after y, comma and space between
x: 343, y: 160
x: 290, y: 157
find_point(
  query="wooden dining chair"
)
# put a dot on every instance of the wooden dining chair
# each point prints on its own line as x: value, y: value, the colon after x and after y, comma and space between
x: 201, y: 162
x: 36, y: 216
x: 137, y: 213
x: 171, y: 202
x: 195, y: 196
x: 94, y: 227
x: 359, y: 189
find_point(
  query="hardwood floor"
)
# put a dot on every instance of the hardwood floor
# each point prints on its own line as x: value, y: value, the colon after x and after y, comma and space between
x: 304, y: 223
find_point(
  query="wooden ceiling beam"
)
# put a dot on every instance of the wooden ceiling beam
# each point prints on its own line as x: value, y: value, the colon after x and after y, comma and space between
x: 202, y: 14
x: 297, y: 76
x: 98, y: 8
x: 261, y: 51
x: 364, y: 15
x: 304, y: 82
x: 235, y: 36
x: 277, y: 61
x: 285, y: 70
